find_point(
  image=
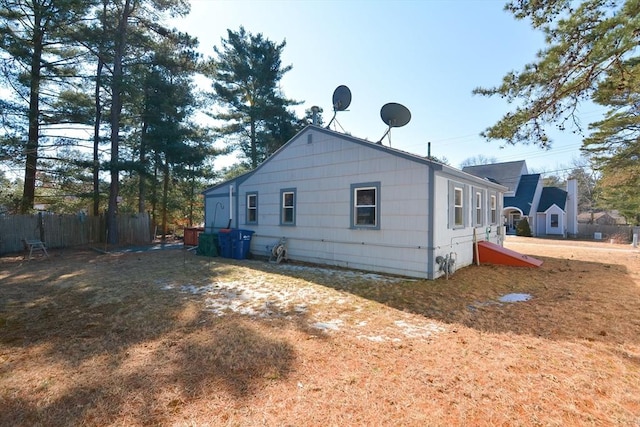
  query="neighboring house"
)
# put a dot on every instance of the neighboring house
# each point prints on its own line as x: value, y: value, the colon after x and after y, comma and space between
x: 602, y: 218
x: 344, y: 201
x: 549, y: 210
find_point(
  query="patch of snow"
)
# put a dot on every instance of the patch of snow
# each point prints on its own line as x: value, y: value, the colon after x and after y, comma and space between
x: 254, y: 295
x: 515, y: 297
x: 331, y: 325
x: 418, y: 331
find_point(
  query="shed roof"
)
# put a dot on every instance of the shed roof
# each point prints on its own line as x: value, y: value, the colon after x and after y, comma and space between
x: 393, y: 151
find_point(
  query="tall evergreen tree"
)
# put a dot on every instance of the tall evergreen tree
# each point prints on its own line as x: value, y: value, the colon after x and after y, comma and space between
x: 147, y: 15
x: 246, y: 73
x: 585, y: 42
x: 591, y: 54
x: 32, y: 36
x: 614, y: 144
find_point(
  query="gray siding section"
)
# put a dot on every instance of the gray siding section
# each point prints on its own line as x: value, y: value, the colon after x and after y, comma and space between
x: 322, y: 172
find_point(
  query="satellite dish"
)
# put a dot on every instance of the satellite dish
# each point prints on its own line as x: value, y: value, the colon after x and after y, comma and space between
x: 341, y: 98
x: 394, y: 115
x: 341, y: 101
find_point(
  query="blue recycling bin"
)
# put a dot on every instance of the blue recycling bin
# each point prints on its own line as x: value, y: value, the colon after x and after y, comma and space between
x: 224, y: 240
x: 240, y: 243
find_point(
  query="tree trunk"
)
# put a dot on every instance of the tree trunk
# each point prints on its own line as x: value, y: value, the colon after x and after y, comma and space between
x: 31, y: 163
x: 142, y: 188
x: 254, y: 145
x: 96, y: 140
x: 165, y: 193
x: 192, y: 189
x: 116, y: 109
x: 154, y: 195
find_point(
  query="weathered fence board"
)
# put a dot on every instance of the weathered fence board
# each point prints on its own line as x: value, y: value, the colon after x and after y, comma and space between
x: 62, y: 231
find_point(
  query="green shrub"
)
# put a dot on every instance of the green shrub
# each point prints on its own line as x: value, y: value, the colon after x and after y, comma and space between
x: 523, y: 228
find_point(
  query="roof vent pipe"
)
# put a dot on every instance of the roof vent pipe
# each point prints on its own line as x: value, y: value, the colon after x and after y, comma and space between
x: 314, y: 114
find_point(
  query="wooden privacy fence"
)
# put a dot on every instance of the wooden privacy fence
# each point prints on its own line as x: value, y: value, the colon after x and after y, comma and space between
x: 606, y: 232
x: 62, y: 231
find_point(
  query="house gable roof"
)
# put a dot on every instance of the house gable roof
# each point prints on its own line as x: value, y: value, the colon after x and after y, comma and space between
x: 524, y: 194
x: 372, y: 145
x: 238, y: 179
x: 552, y: 196
x: 507, y: 173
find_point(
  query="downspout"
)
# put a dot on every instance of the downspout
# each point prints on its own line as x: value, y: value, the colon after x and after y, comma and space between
x: 230, y: 206
x: 431, y: 224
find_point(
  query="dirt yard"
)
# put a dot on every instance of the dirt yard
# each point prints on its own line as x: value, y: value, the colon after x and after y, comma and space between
x: 170, y: 338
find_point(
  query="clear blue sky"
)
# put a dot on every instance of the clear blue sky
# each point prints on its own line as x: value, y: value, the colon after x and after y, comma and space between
x: 427, y: 55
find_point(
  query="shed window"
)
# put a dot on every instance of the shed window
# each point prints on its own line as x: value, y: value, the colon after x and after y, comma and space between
x: 458, y: 207
x: 461, y: 206
x: 366, y: 205
x: 252, y: 208
x: 554, y: 220
x: 478, y: 208
x: 494, y: 209
x: 288, y: 211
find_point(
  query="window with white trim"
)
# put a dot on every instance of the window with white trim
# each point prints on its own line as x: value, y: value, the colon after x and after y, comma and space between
x: 365, y: 202
x: 288, y: 206
x: 461, y: 205
x: 478, y: 208
x: 494, y: 209
x: 458, y: 207
x: 252, y: 208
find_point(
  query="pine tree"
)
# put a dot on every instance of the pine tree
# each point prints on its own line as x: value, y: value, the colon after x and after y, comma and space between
x: 33, y: 35
x: 585, y: 42
x: 246, y: 74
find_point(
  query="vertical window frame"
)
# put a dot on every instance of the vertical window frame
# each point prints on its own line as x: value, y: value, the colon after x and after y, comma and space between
x: 478, y: 216
x: 493, y: 209
x: 458, y: 206
x: 459, y: 202
x: 376, y: 205
x: 251, y: 209
x: 284, y: 209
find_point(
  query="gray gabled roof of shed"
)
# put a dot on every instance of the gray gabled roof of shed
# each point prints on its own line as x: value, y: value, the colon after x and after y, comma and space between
x: 524, y: 194
x: 552, y: 196
x: 414, y: 157
x: 507, y: 173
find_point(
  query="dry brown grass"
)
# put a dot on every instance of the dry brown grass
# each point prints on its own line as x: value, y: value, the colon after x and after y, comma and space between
x: 169, y: 338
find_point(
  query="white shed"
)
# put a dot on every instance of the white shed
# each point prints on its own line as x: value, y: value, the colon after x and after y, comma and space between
x: 344, y: 201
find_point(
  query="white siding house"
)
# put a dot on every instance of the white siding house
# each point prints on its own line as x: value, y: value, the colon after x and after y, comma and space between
x: 344, y: 201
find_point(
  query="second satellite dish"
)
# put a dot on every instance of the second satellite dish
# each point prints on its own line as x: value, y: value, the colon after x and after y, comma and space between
x: 341, y: 101
x: 394, y: 115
